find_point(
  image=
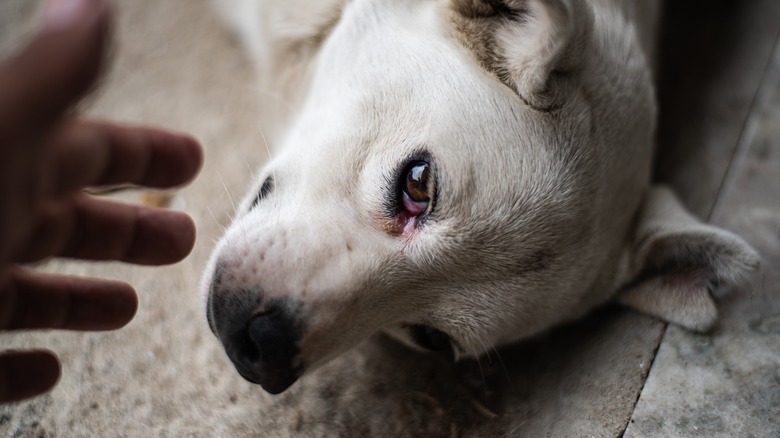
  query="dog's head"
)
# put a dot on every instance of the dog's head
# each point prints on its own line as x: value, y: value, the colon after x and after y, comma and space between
x: 460, y: 174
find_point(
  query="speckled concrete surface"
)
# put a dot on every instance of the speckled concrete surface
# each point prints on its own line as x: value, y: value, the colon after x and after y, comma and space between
x: 727, y: 384
x: 165, y: 374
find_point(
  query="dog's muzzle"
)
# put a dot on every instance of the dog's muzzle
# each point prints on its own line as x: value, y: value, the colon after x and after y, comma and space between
x: 259, y: 338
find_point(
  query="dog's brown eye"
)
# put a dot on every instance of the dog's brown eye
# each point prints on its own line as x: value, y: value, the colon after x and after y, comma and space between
x: 417, y: 182
x: 414, y: 197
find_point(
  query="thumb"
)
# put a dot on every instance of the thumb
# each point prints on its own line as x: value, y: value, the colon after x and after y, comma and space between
x: 56, y: 69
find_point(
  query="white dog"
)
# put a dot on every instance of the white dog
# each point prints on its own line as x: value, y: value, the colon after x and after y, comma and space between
x: 459, y: 173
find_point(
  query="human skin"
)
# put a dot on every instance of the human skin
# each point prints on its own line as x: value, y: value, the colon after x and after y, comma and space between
x: 47, y: 157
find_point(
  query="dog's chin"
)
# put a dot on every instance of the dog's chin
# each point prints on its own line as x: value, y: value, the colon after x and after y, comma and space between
x: 272, y: 381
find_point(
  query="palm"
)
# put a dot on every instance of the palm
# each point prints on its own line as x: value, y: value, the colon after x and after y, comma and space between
x: 46, y: 159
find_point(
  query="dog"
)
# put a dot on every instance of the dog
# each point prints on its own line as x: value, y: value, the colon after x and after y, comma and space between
x: 460, y: 174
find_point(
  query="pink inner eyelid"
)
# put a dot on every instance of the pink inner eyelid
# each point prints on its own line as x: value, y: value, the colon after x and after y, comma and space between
x: 414, y: 208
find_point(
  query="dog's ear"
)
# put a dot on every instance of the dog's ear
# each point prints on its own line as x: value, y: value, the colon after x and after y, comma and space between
x: 528, y: 44
x: 677, y: 266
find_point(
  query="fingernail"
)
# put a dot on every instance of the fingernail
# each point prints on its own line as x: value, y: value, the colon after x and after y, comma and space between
x: 60, y: 14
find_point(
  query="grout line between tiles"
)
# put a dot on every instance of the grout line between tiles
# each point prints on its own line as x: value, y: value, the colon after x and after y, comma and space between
x: 747, y: 132
x: 740, y: 152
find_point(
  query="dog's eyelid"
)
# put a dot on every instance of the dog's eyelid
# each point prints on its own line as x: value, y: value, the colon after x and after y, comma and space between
x: 265, y: 189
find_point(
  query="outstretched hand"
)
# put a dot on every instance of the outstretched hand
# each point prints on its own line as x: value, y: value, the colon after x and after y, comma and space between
x: 46, y: 158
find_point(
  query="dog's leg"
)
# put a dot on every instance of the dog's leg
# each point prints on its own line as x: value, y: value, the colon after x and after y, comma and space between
x: 678, y: 265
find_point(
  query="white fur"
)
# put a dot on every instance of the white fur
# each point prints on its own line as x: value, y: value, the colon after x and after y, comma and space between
x: 542, y: 170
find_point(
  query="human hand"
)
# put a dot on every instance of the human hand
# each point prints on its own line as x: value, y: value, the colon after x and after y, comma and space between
x: 46, y: 158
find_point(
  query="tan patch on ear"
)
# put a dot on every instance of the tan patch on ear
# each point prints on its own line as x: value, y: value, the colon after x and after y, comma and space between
x: 472, y: 8
x: 529, y: 46
x: 488, y: 8
x: 476, y: 23
x: 476, y: 31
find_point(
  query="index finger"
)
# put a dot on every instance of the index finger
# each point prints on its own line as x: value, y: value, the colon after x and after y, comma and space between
x: 94, y: 153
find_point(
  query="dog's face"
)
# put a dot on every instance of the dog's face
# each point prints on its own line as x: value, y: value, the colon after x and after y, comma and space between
x: 422, y: 192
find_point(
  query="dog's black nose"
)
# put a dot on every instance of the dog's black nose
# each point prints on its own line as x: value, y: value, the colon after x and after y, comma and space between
x: 264, y: 349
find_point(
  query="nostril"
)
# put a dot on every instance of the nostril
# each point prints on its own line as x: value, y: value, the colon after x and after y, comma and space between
x: 247, y: 349
x: 265, y: 349
x: 274, y: 337
x: 260, y: 329
x: 268, y: 339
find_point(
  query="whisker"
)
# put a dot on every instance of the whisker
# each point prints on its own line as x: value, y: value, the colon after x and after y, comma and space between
x: 503, y: 365
x: 275, y: 96
x: 487, y: 353
x: 267, y: 150
x: 229, y: 195
x: 213, y: 216
x: 251, y: 170
x: 484, y: 380
x: 235, y: 208
x: 490, y: 362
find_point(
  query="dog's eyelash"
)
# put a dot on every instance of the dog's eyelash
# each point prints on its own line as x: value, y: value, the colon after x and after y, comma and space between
x: 265, y: 189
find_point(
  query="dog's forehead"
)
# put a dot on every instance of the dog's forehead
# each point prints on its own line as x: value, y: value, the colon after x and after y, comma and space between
x: 382, y: 90
x: 407, y: 54
x: 381, y: 93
